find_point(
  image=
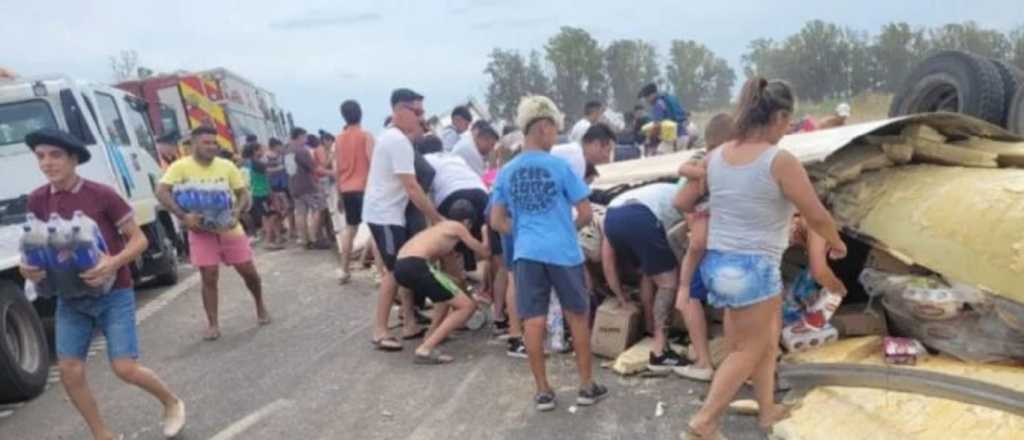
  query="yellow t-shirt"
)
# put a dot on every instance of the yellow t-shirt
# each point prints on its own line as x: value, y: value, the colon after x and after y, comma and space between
x: 220, y: 172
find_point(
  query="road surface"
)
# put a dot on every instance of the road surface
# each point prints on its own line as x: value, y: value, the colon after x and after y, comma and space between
x: 312, y: 374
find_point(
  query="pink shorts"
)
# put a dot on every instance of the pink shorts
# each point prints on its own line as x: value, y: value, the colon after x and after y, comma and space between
x: 209, y: 249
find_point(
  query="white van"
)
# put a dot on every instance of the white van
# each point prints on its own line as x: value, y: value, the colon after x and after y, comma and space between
x: 113, y: 124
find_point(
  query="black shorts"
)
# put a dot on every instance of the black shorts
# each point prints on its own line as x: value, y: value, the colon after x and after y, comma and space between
x: 639, y: 238
x: 478, y: 198
x: 260, y: 208
x: 415, y: 274
x: 389, y: 239
x: 352, y: 204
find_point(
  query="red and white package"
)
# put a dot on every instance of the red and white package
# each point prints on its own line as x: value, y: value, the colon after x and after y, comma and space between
x: 902, y: 351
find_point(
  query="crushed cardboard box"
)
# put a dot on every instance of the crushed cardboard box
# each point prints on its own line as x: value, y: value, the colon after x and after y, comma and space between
x: 615, y: 329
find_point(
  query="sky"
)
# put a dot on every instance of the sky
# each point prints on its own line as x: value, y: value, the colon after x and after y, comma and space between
x: 313, y: 54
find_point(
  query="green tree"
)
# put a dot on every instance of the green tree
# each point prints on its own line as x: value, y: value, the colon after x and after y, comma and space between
x: 968, y: 36
x: 509, y: 82
x: 897, y: 49
x: 578, y: 64
x: 699, y: 79
x: 537, y: 82
x: 1017, y: 38
x: 631, y: 64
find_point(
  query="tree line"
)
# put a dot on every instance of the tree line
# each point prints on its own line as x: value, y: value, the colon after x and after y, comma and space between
x: 822, y: 60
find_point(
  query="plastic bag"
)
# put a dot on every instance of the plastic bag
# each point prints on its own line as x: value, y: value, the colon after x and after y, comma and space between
x: 555, y: 324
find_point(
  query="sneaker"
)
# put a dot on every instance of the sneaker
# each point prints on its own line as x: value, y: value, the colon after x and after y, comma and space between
x: 500, y: 328
x: 591, y: 395
x: 667, y: 361
x: 545, y: 401
x: 516, y: 348
x: 694, y: 372
x: 174, y: 419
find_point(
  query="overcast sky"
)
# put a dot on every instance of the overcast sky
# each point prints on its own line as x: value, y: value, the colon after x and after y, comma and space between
x: 315, y: 53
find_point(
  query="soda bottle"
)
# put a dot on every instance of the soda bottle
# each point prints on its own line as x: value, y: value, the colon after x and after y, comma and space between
x: 34, y: 243
x: 86, y: 241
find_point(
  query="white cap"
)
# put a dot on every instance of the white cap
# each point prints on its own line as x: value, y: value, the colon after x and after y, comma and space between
x: 843, y: 110
x: 536, y: 107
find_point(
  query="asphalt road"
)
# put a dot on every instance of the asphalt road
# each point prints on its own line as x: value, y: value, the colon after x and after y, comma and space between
x: 312, y: 374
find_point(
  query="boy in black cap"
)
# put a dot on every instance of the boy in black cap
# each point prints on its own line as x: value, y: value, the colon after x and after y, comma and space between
x: 113, y: 313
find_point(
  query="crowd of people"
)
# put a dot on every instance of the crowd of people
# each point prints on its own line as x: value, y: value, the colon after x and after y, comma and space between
x: 437, y: 205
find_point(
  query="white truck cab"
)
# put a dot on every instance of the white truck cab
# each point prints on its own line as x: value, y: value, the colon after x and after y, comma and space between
x: 113, y: 124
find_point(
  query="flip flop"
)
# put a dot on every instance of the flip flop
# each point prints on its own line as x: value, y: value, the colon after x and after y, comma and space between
x: 389, y: 343
x: 416, y: 335
x: 211, y: 336
x: 690, y: 434
x: 435, y: 357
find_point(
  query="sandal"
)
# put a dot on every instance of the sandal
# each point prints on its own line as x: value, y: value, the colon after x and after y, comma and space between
x: 435, y: 357
x: 389, y: 343
x: 691, y: 434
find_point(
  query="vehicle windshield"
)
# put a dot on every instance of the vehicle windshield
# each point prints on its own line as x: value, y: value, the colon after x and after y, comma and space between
x: 20, y: 118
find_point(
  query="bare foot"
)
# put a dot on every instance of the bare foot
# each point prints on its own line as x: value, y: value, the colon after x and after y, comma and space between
x: 211, y: 334
x: 702, y: 431
x: 775, y: 414
x: 263, y: 318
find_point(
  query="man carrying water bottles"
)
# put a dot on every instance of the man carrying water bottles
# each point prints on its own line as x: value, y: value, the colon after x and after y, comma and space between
x: 112, y: 311
x: 214, y: 195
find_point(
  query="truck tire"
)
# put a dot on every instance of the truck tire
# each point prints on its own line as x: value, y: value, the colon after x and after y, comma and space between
x: 1012, y: 79
x: 24, y: 353
x: 1015, y: 120
x: 953, y: 81
x: 168, y: 276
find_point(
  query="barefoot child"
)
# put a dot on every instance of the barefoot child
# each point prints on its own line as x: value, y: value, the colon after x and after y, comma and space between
x: 718, y: 131
x: 413, y: 272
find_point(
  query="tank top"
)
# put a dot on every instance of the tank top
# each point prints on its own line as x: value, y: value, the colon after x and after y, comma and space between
x: 749, y: 213
x: 353, y: 164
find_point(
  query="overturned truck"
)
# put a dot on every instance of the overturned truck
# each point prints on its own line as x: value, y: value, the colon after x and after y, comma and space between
x: 932, y: 206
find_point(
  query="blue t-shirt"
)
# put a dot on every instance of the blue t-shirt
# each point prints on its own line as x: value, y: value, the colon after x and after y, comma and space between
x: 541, y: 190
x: 668, y: 107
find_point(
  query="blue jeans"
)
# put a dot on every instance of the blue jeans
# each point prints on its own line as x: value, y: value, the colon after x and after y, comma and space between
x: 737, y: 280
x: 78, y: 319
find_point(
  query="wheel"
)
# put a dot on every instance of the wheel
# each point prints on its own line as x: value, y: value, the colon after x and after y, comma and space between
x: 1015, y: 120
x: 1012, y: 78
x: 24, y: 353
x: 953, y: 81
x: 168, y: 276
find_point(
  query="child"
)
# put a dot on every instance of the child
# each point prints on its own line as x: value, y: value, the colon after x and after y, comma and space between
x: 718, y: 131
x: 413, y: 272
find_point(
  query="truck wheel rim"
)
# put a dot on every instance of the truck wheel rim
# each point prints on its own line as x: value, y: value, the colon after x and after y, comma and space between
x: 20, y: 336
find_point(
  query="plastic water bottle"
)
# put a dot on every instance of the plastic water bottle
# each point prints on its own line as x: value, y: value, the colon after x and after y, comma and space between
x: 556, y: 327
x: 86, y: 241
x: 61, y: 244
x: 34, y: 243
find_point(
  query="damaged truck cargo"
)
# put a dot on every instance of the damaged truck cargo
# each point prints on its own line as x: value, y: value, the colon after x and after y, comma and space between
x: 936, y: 203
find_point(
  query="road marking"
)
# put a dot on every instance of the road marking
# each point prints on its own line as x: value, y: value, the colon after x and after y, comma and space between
x: 248, y: 421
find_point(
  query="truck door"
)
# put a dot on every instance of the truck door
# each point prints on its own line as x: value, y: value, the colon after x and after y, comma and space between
x: 145, y: 154
x: 123, y: 155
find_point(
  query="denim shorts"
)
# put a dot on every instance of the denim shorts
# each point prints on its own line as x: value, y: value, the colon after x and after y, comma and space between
x: 737, y: 280
x: 113, y: 314
x: 534, y: 281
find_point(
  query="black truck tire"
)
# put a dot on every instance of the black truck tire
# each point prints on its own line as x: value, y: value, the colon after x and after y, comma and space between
x: 1012, y: 78
x: 1015, y: 120
x: 953, y: 81
x: 24, y: 353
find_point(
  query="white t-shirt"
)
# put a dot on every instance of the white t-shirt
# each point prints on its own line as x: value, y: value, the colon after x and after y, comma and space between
x: 572, y: 153
x: 658, y: 197
x: 578, y: 130
x: 466, y: 149
x: 385, y: 198
x: 450, y: 137
x: 452, y: 174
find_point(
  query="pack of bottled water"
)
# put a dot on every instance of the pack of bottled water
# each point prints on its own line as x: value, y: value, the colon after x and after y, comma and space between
x: 64, y: 248
x: 212, y: 201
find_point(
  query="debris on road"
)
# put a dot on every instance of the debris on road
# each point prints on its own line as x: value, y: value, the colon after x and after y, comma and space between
x: 744, y: 407
x: 659, y: 409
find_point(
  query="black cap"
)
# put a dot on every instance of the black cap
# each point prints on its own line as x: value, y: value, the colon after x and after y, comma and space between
x: 404, y: 95
x: 60, y: 139
x: 648, y: 90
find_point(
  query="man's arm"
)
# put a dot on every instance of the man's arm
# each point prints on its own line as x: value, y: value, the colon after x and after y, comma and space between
x: 479, y: 248
x: 243, y: 201
x: 584, y: 214
x: 499, y: 219
x: 419, y: 198
x: 109, y: 264
x: 611, y: 272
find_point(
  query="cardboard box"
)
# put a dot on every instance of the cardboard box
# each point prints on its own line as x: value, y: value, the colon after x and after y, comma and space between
x: 853, y: 320
x: 615, y: 329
